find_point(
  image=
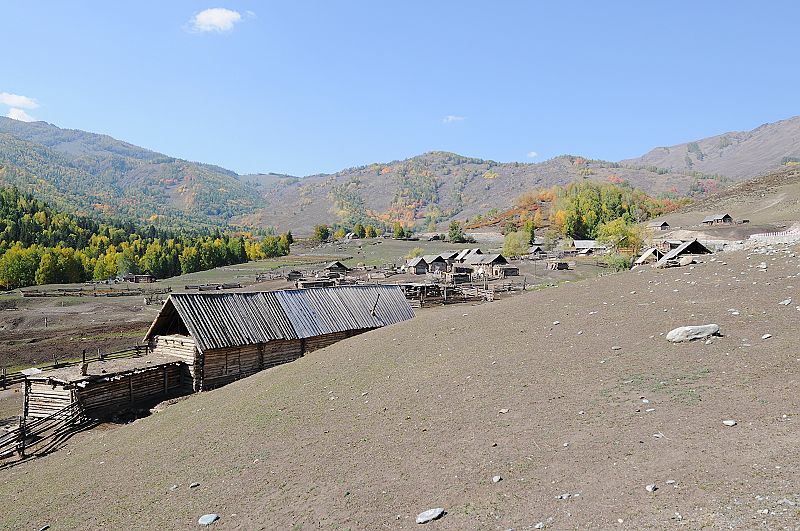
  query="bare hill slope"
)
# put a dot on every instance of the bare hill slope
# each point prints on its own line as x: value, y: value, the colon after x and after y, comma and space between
x: 577, y: 417
x: 738, y: 155
x: 772, y: 199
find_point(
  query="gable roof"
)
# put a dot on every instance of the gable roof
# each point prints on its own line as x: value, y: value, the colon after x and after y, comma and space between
x: 652, y: 252
x: 586, y: 244
x: 715, y: 217
x: 448, y: 255
x: 219, y: 320
x: 657, y: 224
x: 687, y: 247
x: 414, y: 262
x: 431, y: 258
x: 464, y: 253
x: 336, y: 265
x: 485, y: 259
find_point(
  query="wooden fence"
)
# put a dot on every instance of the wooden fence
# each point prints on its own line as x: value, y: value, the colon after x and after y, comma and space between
x: 41, y: 434
x: 8, y: 379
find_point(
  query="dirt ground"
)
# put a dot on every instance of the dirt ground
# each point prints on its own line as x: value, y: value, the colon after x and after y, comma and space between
x: 570, y: 394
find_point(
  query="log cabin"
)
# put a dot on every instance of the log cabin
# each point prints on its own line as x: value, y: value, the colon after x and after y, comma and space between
x: 200, y: 341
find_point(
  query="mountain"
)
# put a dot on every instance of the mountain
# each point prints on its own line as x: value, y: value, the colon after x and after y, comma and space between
x: 93, y: 174
x: 737, y: 155
x: 434, y: 188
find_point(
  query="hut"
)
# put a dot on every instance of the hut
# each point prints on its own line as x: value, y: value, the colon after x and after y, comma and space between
x: 337, y: 268
x: 105, y: 387
x: 227, y: 336
x: 417, y: 266
x: 436, y: 264
x: 491, y: 265
x: 687, y: 248
x: 658, y: 225
x: 536, y: 250
x: 717, y: 219
x: 587, y: 246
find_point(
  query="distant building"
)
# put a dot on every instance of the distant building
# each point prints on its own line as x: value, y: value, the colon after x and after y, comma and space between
x: 658, y: 225
x: 436, y: 264
x: 688, y: 248
x: 717, y: 219
x: 417, y: 266
x: 337, y: 267
x: 651, y: 255
x: 491, y: 265
x: 449, y: 257
x: 587, y: 246
x: 464, y: 254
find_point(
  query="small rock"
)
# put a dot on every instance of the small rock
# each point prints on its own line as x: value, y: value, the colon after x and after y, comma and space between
x: 539, y: 525
x: 429, y: 515
x: 729, y: 422
x: 651, y: 488
x: 556, y: 322
x: 497, y: 479
x: 786, y: 501
x: 503, y: 411
x: 645, y: 401
x: 766, y: 336
x: 565, y: 496
x: 616, y: 347
x: 785, y: 302
x: 208, y: 519
x: 44, y: 527
x: 670, y: 482
x: 174, y: 487
x: 194, y: 485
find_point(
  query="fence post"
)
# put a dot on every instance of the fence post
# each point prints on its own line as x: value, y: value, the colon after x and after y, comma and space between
x: 99, y: 354
x: 21, y: 446
x: 3, y: 379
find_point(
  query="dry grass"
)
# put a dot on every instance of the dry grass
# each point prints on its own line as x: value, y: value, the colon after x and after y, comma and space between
x: 302, y: 445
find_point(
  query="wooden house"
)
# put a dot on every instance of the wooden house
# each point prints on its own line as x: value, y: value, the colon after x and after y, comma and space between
x: 491, y: 265
x: 337, y: 268
x: 586, y: 247
x: 436, y: 264
x: 651, y: 255
x: 688, y: 248
x: 417, y: 266
x: 200, y: 341
x: 449, y: 257
x: 717, y: 219
x: 466, y: 254
x: 658, y: 225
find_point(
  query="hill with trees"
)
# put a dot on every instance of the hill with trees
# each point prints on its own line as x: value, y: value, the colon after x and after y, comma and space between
x: 95, y: 175
x: 40, y: 245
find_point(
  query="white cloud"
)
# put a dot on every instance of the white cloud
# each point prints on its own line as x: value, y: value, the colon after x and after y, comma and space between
x: 15, y: 100
x: 532, y: 154
x: 450, y: 118
x: 19, y: 114
x: 215, y: 19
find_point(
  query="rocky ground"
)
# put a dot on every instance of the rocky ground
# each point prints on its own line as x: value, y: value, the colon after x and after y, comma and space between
x: 571, y: 395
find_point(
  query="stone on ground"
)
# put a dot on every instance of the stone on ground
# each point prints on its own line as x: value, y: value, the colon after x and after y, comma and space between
x: 690, y: 333
x: 208, y: 519
x: 729, y: 422
x: 429, y: 515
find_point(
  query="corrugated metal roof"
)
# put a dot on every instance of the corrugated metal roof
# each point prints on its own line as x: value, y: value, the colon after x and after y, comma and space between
x: 218, y: 320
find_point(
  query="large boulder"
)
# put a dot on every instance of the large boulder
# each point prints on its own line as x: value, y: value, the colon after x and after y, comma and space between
x: 690, y: 333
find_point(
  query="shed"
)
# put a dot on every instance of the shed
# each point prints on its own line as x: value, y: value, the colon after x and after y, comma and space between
x: 687, y: 248
x: 106, y: 387
x: 336, y: 267
x: 658, y: 225
x: 717, y: 219
x: 494, y: 265
x: 435, y: 263
x: 226, y: 336
x: 417, y: 266
x: 592, y: 245
x: 536, y: 249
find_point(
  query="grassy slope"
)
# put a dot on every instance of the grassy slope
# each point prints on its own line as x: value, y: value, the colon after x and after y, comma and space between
x: 302, y: 445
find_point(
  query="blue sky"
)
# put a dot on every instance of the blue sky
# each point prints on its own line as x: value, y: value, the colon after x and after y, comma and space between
x: 302, y: 86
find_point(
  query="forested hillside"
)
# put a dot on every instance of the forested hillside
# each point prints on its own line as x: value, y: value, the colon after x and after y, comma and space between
x: 94, y: 174
x: 40, y: 245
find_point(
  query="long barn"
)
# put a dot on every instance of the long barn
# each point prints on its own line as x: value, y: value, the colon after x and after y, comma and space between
x: 223, y: 337
x: 200, y: 341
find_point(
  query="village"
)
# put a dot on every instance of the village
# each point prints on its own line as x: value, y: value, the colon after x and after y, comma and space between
x: 208, y: 334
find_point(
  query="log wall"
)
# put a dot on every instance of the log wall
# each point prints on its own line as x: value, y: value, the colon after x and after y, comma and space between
x: 103, y: 397
x: 326, y: 340
x: 184, y: 349
x: 44, y: 399
x: 224, y: 365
